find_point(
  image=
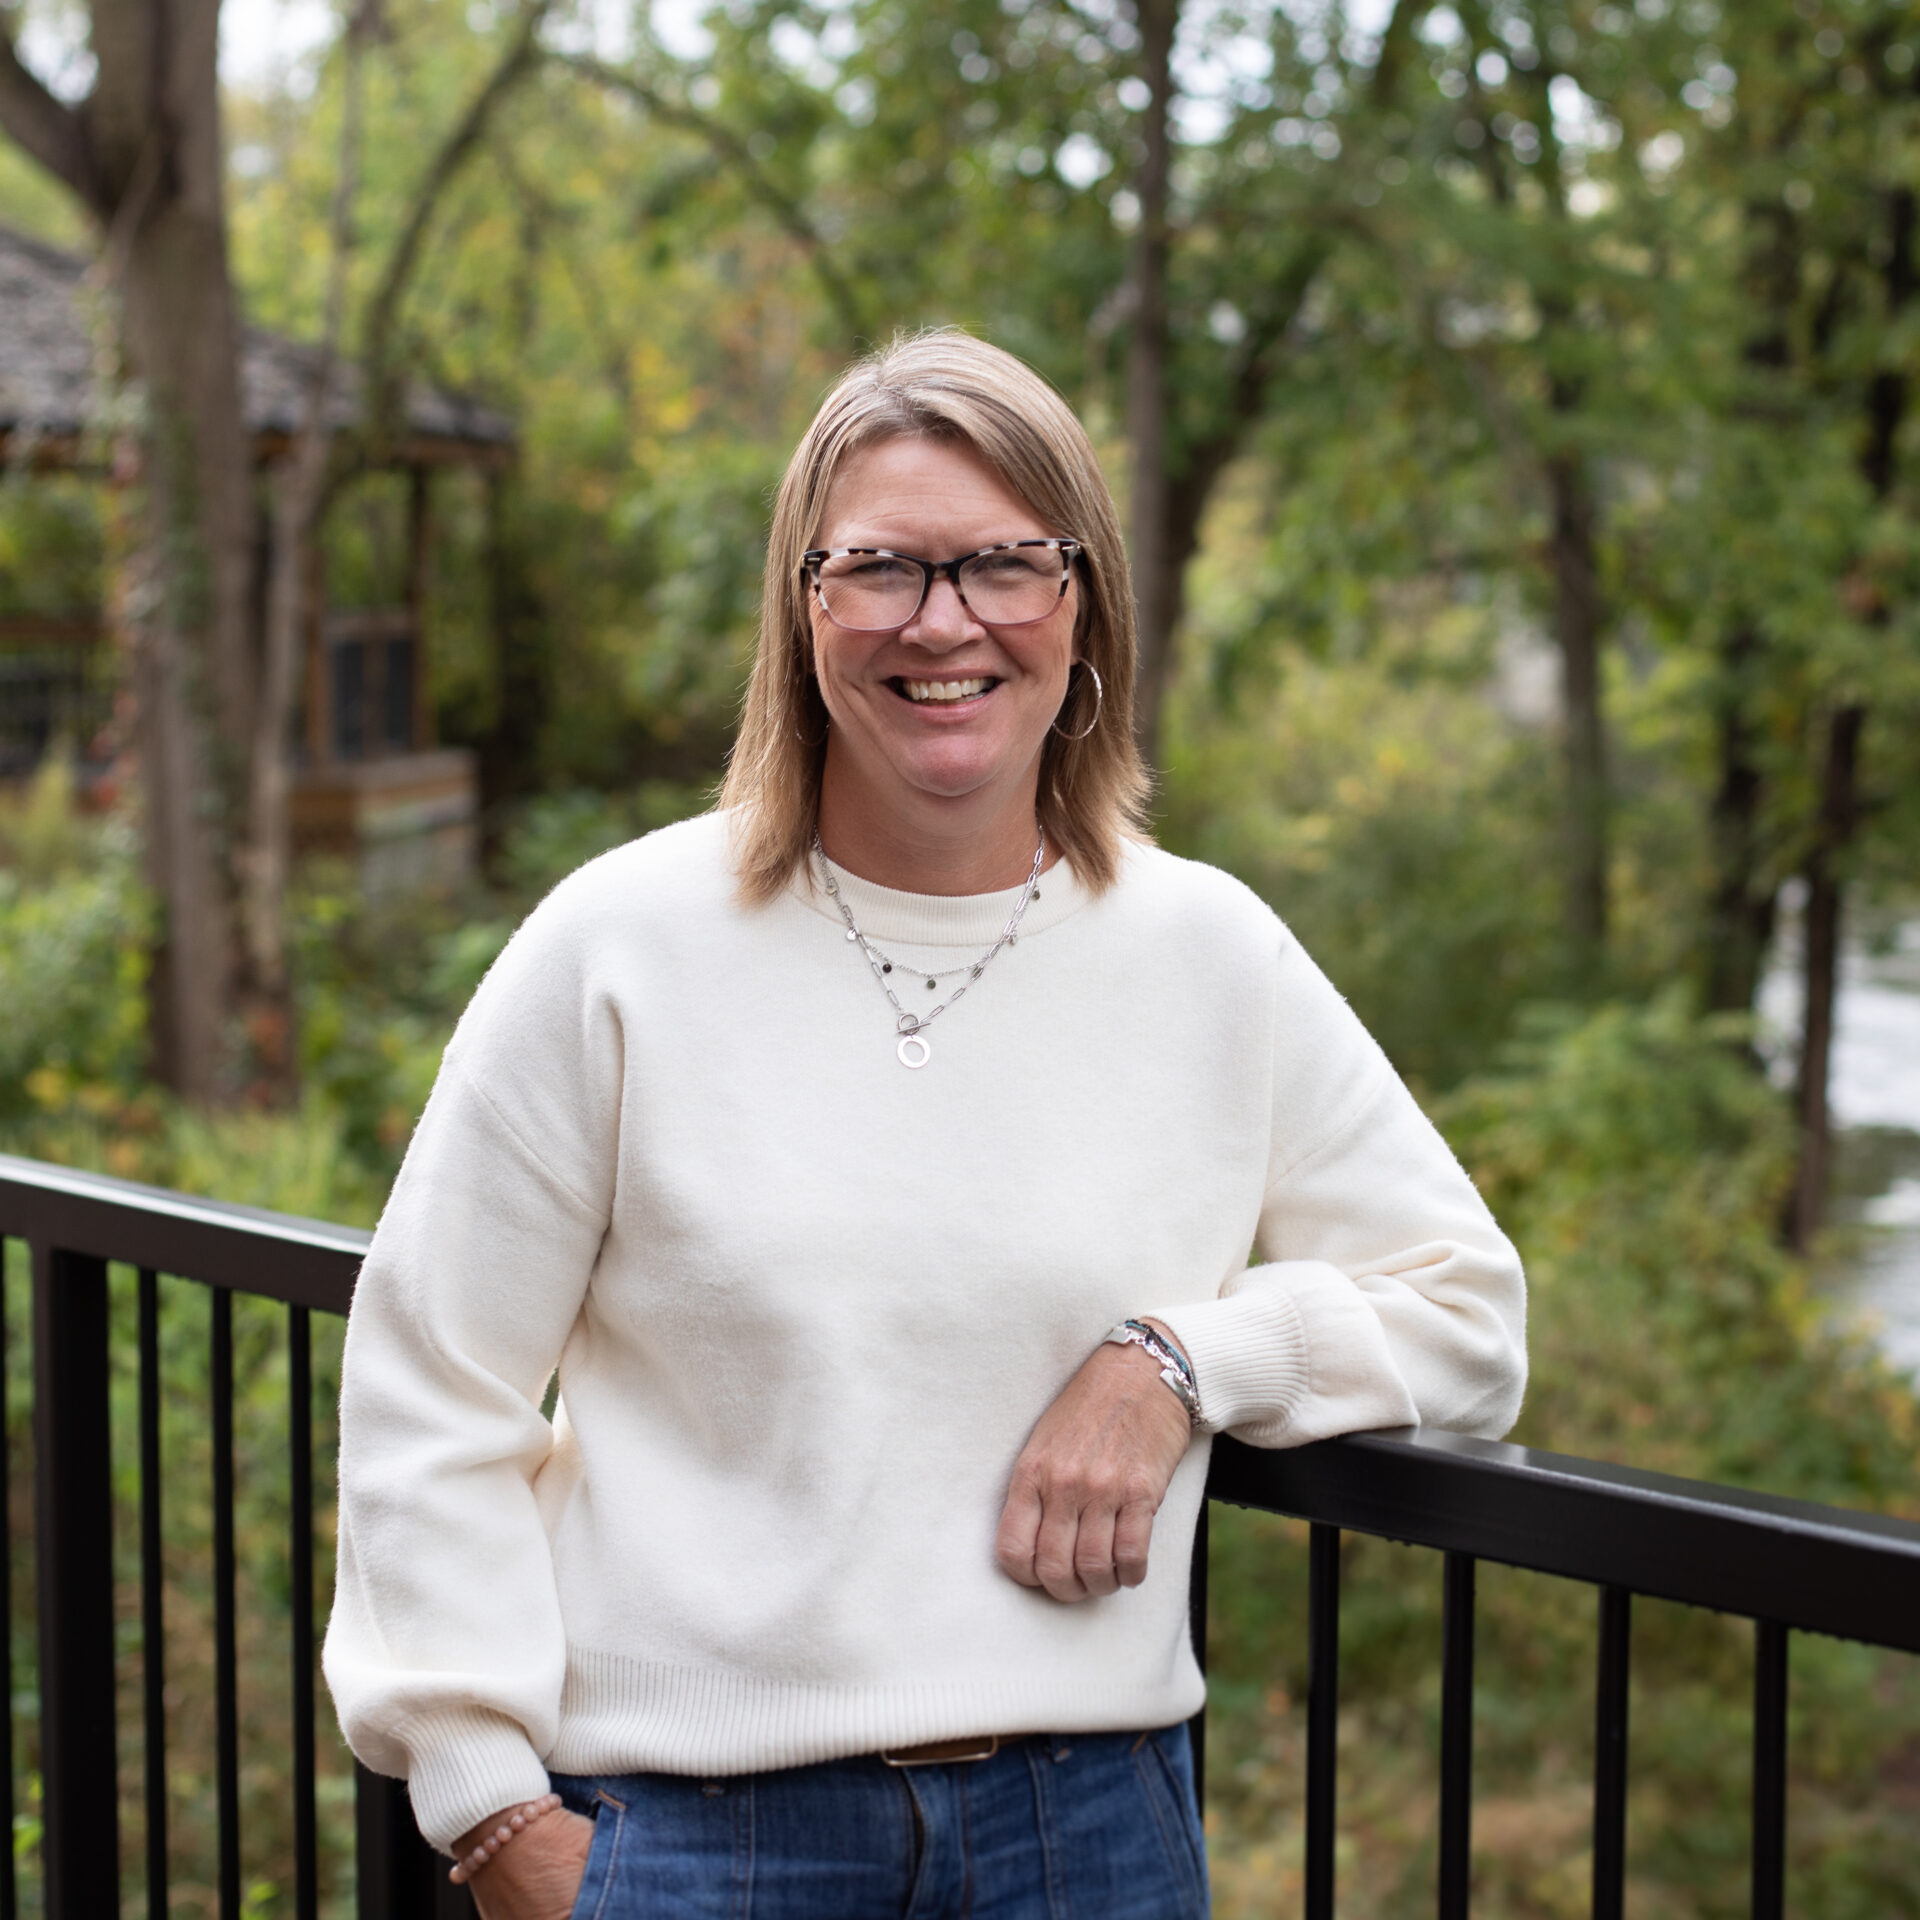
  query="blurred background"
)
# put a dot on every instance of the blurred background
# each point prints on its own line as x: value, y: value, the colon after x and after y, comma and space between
x: 1511, y: 403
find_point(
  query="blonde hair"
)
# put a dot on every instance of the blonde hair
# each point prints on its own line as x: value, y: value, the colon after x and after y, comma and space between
x: 946, y: 386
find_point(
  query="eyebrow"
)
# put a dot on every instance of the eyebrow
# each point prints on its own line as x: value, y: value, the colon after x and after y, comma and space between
x: 907, y: 552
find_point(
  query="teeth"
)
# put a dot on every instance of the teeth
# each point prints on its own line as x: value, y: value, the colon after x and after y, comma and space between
x: 943, y: 689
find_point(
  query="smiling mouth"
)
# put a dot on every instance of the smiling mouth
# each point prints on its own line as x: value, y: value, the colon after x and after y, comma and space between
x: 941, y: 692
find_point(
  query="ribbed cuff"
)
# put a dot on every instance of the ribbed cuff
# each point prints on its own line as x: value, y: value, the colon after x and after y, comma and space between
x: 464, y: 1764
x: 1248, y: 1351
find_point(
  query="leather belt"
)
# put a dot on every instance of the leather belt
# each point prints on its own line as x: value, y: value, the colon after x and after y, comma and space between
x: 933, y: 1753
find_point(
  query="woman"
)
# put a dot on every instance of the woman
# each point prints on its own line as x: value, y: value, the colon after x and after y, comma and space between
x: 879, y: 1160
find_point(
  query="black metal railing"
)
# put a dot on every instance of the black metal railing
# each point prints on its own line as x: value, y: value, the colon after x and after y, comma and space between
x: 74, y: 1225
x: 1786, y: 1565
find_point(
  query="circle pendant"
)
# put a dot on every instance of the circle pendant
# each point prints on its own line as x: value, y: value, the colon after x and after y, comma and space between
x: 914, y: 1040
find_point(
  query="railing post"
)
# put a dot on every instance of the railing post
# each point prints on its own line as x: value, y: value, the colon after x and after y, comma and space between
x: 1769, y: 1769
x: 1323, y: 1717
x: 226, y: 1630
x: 73, y: 1528
x: 9, y: 1890
x: 1610, y: 1699
x: 306, y: 1834
x: 153, y: 1650
x: 1456, y: 1737
x: 1197, y: 1631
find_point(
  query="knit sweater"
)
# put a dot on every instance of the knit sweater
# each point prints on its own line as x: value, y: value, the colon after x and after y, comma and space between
x: 806, y: 1307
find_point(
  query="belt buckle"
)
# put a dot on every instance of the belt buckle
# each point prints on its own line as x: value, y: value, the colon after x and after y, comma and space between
x: 934, y: 1753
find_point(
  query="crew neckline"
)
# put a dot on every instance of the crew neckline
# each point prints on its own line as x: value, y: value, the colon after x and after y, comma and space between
x: 939, y: 919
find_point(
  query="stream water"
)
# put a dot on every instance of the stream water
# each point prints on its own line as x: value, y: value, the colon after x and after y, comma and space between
x: 1874, y: 1280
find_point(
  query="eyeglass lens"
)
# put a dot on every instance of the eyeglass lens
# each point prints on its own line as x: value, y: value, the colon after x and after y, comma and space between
x: 874, y: 591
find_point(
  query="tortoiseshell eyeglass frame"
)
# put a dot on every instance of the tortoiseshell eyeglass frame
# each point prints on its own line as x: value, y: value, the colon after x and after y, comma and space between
x: 931, y: 570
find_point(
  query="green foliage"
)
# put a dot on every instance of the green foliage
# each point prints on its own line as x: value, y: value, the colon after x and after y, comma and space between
x: 73, y: 931
x: 1396, y: 826
x: 558, y: 832
x: 1643, y: 1165
x: 37, y: 204
x: 46, y: 837
x: 51, y: 544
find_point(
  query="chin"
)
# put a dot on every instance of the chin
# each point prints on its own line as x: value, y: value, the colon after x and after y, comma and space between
x: 945, y: 785
x: 955, y: 773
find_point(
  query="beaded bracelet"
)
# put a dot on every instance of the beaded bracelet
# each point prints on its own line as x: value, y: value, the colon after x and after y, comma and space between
x: 517, y: 1822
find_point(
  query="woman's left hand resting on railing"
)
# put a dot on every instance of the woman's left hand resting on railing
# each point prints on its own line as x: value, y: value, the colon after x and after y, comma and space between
x: 538, y: 1876
x: 1080, y: 1507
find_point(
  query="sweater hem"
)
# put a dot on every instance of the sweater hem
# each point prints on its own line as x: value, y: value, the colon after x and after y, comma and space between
x: 620, y: 1715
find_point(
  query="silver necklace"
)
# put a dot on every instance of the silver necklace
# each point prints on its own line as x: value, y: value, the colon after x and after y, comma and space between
x: 913, y: 1049
x: 931, y: 975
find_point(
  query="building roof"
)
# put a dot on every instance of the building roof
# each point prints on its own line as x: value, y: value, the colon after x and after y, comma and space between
x: 47, y: 371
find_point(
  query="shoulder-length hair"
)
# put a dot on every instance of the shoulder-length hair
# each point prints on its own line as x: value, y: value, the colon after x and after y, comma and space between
x: 947, y: 386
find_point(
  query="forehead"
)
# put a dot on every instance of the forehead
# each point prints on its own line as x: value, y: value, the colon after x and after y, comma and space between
x: 911, y: 489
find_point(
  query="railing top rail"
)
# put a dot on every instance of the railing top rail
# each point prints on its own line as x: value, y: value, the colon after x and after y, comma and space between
x: 1821, y: 1569
x: 308, y: 1263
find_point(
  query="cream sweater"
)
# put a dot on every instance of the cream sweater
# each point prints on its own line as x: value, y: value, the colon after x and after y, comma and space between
x: 807, y: 1305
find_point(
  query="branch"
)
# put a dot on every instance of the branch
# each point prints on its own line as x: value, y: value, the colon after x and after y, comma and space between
x: 1256, y: 368
x: 729, y: 147
x: 453, y: 155
x: 311, y: 485
x: 43, y: 128
x: 1398, y: 48
x: 299, y: 489
x: 1524, y: 458
x: 586, y: 288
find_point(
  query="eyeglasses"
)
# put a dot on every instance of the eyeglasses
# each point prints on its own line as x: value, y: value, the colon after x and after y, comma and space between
x: 871, y: 590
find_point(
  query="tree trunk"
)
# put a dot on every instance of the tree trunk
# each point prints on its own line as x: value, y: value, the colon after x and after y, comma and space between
x: 1741, y: 910
x: 1839, y: 814
x: 299, y: 487
x: 266, y: 992
x: 1577, y: 624
x: 1886, y: 412
x: 1155, y: 577
x: 190, y: 957
x: 509, y: 753
x: 181, y: 337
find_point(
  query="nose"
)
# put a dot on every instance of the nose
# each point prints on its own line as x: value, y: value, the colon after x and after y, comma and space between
x: 944, y: 619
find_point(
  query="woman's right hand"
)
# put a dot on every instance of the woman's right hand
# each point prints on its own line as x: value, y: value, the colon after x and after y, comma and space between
x: 537, y: 1875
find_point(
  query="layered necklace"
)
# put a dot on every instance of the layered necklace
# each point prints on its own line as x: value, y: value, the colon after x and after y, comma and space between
x: 913, y: 1049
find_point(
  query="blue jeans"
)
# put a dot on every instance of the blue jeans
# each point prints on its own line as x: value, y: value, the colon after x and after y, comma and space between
x: 1075, y: 1826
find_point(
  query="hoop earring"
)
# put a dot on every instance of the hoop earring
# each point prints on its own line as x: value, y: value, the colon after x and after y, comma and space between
x: 1099, y: 700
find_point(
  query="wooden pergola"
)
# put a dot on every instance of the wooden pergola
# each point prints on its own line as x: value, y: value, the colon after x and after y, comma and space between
x: 370, y: 781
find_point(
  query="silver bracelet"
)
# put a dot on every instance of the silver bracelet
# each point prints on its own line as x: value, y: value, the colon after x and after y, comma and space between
x: 1174, y: 1367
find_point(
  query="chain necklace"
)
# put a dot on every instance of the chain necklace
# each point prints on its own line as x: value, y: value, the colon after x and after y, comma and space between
x: 931, y: 975
x: 911, y: 1027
